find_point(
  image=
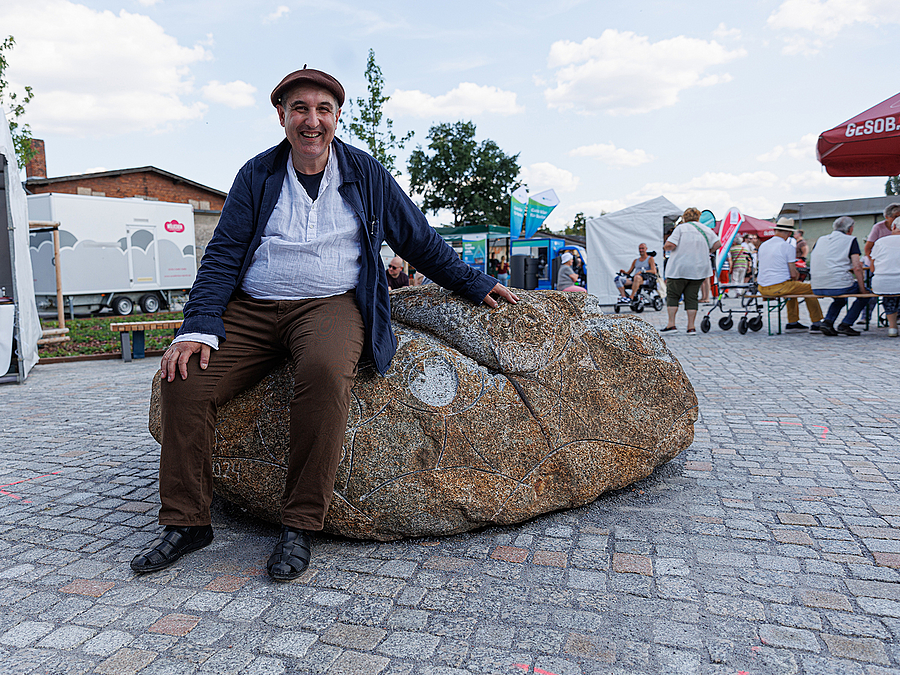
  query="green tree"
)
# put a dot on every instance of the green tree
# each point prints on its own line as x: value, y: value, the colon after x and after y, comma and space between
x: 892, y: 187
x: 579, y: 226
x: 471, y: 180
x: 21, y: 133
x: 370, y: 125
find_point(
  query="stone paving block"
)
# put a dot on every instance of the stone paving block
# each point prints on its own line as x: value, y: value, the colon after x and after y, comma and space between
x: 355, y: 663
x: 66, y: 637
x: 856, y: 625
x: 107, y: 642
x: 824, y: 599
x: 226, y: 662
x: 362, y: 638
x: 169, y: 666
x: 554, y: 558
x: 879, y: 606
x: 510, y: 554
x: 409, y: 645
x: 874, y: 589
x: 741, y: 608
x: 290, y: 643
x: 26, y: 633
x: 244, y: 609
x: 630, y: 563
x: 789, y: 638
x: 175, y: 624
x: 797, y: 519
x: 126, y: 662
x: 887, y: 559
x: 858, y: 649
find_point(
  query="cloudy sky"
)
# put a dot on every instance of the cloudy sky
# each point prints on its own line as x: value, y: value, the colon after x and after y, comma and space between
x: 711, y: 104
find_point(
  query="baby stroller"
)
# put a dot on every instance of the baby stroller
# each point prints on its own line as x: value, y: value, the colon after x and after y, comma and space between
x: 647, y: 296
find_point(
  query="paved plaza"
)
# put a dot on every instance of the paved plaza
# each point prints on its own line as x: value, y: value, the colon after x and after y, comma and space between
x: 770, y: 546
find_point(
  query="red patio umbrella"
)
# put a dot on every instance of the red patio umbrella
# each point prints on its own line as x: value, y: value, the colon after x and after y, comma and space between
x: 763, y: 228
x: 867, y: 145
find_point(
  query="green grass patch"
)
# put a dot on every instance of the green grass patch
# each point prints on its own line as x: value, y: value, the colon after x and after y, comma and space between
x: 93, y: 335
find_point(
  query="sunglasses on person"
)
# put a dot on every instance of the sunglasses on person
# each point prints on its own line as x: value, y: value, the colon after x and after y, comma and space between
x: 394, y: 267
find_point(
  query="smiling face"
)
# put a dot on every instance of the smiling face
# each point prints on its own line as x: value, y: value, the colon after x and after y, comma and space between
x: 642, y: 250
x: 309, y: 116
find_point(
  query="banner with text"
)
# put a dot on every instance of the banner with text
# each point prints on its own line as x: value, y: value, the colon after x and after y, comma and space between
x: 539, y: 207
x: 517, y: 206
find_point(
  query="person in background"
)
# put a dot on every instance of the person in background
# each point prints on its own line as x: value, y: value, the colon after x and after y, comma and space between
x: 802, y: 246
x: 566, y: 279
x: 778, y: 275
x: 690, y: 246
x: 396, y: 277
x: 836, y: 270
x: 740, y: 261
x: 885, y: 257
x: 882, y: 228
x: 643, y: 263
x: 503, y: 271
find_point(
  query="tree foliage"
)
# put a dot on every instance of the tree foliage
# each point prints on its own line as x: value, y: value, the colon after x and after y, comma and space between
x: 370, y: 125
x: 892, y: 187
x: 471, y: 180
x: 579, y: 225
x: 15, y: 105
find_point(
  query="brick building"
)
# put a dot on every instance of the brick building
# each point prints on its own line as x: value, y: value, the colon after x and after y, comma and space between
x: 145, y: 182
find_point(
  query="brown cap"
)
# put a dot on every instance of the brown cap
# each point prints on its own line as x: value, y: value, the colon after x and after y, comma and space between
x: 308, y: 76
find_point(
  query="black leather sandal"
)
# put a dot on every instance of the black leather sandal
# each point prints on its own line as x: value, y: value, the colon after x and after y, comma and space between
x: 173, y: 543
x: 291, y: 555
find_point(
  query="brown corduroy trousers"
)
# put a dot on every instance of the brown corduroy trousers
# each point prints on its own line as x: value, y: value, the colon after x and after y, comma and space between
x: 324, y: 336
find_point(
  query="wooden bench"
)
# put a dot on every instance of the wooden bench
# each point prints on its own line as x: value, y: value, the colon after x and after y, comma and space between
x: 138, y: 328
x: 775, y: 303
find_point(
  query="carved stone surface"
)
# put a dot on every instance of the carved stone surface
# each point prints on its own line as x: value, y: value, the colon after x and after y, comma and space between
x: 485, y: 416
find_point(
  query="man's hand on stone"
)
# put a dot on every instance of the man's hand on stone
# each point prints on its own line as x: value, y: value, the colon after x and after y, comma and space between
x: 504, y: 293
x: 176, y: 358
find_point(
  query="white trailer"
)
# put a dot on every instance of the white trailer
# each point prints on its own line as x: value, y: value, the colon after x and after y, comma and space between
x: 114, y: 254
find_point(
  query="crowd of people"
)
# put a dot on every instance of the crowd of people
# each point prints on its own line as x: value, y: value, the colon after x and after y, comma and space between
x: 785, y: 265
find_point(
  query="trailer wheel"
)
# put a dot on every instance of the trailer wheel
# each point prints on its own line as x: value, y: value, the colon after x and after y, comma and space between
x: 149, y: 303
x: 122, y: 305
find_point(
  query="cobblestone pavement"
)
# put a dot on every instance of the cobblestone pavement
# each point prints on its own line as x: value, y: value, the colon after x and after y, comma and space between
x: 771, y: 545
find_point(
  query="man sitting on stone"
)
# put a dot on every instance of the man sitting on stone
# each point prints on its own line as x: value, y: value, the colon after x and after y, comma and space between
x: 777, y: 275
x: 397, y: 278
x: 836, y: 270
x: 292, y: 270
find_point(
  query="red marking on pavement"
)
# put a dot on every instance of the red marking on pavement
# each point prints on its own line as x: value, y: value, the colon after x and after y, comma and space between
x: 24, y: 480
x: 819, y: 426
x: 525, y: 667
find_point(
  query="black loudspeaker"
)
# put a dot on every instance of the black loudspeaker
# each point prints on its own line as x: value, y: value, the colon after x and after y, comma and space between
x: 517, y: 270
x: 532, y: 268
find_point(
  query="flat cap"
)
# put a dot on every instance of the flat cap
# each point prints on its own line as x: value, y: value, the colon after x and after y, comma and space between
x: 310, y: 76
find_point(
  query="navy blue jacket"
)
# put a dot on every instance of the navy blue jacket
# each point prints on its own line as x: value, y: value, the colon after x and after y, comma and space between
x: 384, y: 213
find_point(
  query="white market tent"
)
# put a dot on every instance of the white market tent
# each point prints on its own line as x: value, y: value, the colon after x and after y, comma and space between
x: 20, y: 319
x: 613, y: 239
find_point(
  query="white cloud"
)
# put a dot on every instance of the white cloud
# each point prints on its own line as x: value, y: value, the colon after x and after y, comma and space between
x: 610, y: 154
x: 91, y: 70
x: 281, y: 12
x: 725, y: 33
x: 805, y: 148
x: 467, y: 99
x: 824, y: 19
x: 237, y: 94
x: 149, y: 3
x: 543, y: 175
x: 624, y: 73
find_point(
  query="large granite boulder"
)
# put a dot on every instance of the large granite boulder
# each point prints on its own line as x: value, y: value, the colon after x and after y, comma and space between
x: 485, y: 416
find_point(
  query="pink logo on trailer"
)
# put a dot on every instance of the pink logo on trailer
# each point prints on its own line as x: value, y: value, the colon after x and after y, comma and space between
x: 174, y: 226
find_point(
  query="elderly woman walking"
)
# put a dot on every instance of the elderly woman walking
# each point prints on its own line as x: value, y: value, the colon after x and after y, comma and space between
x: 689, y: 247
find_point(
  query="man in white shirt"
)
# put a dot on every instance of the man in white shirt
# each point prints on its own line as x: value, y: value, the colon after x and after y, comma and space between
x: 293, y: 270
x: 777, y: 275
x: 836, y: 270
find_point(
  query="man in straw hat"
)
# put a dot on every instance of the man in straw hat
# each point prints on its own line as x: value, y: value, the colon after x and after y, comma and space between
x: 777, y: 275
x: 293, y: 269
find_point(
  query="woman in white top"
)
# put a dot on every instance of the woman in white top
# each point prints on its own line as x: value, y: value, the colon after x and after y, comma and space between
x: 886, y: 280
